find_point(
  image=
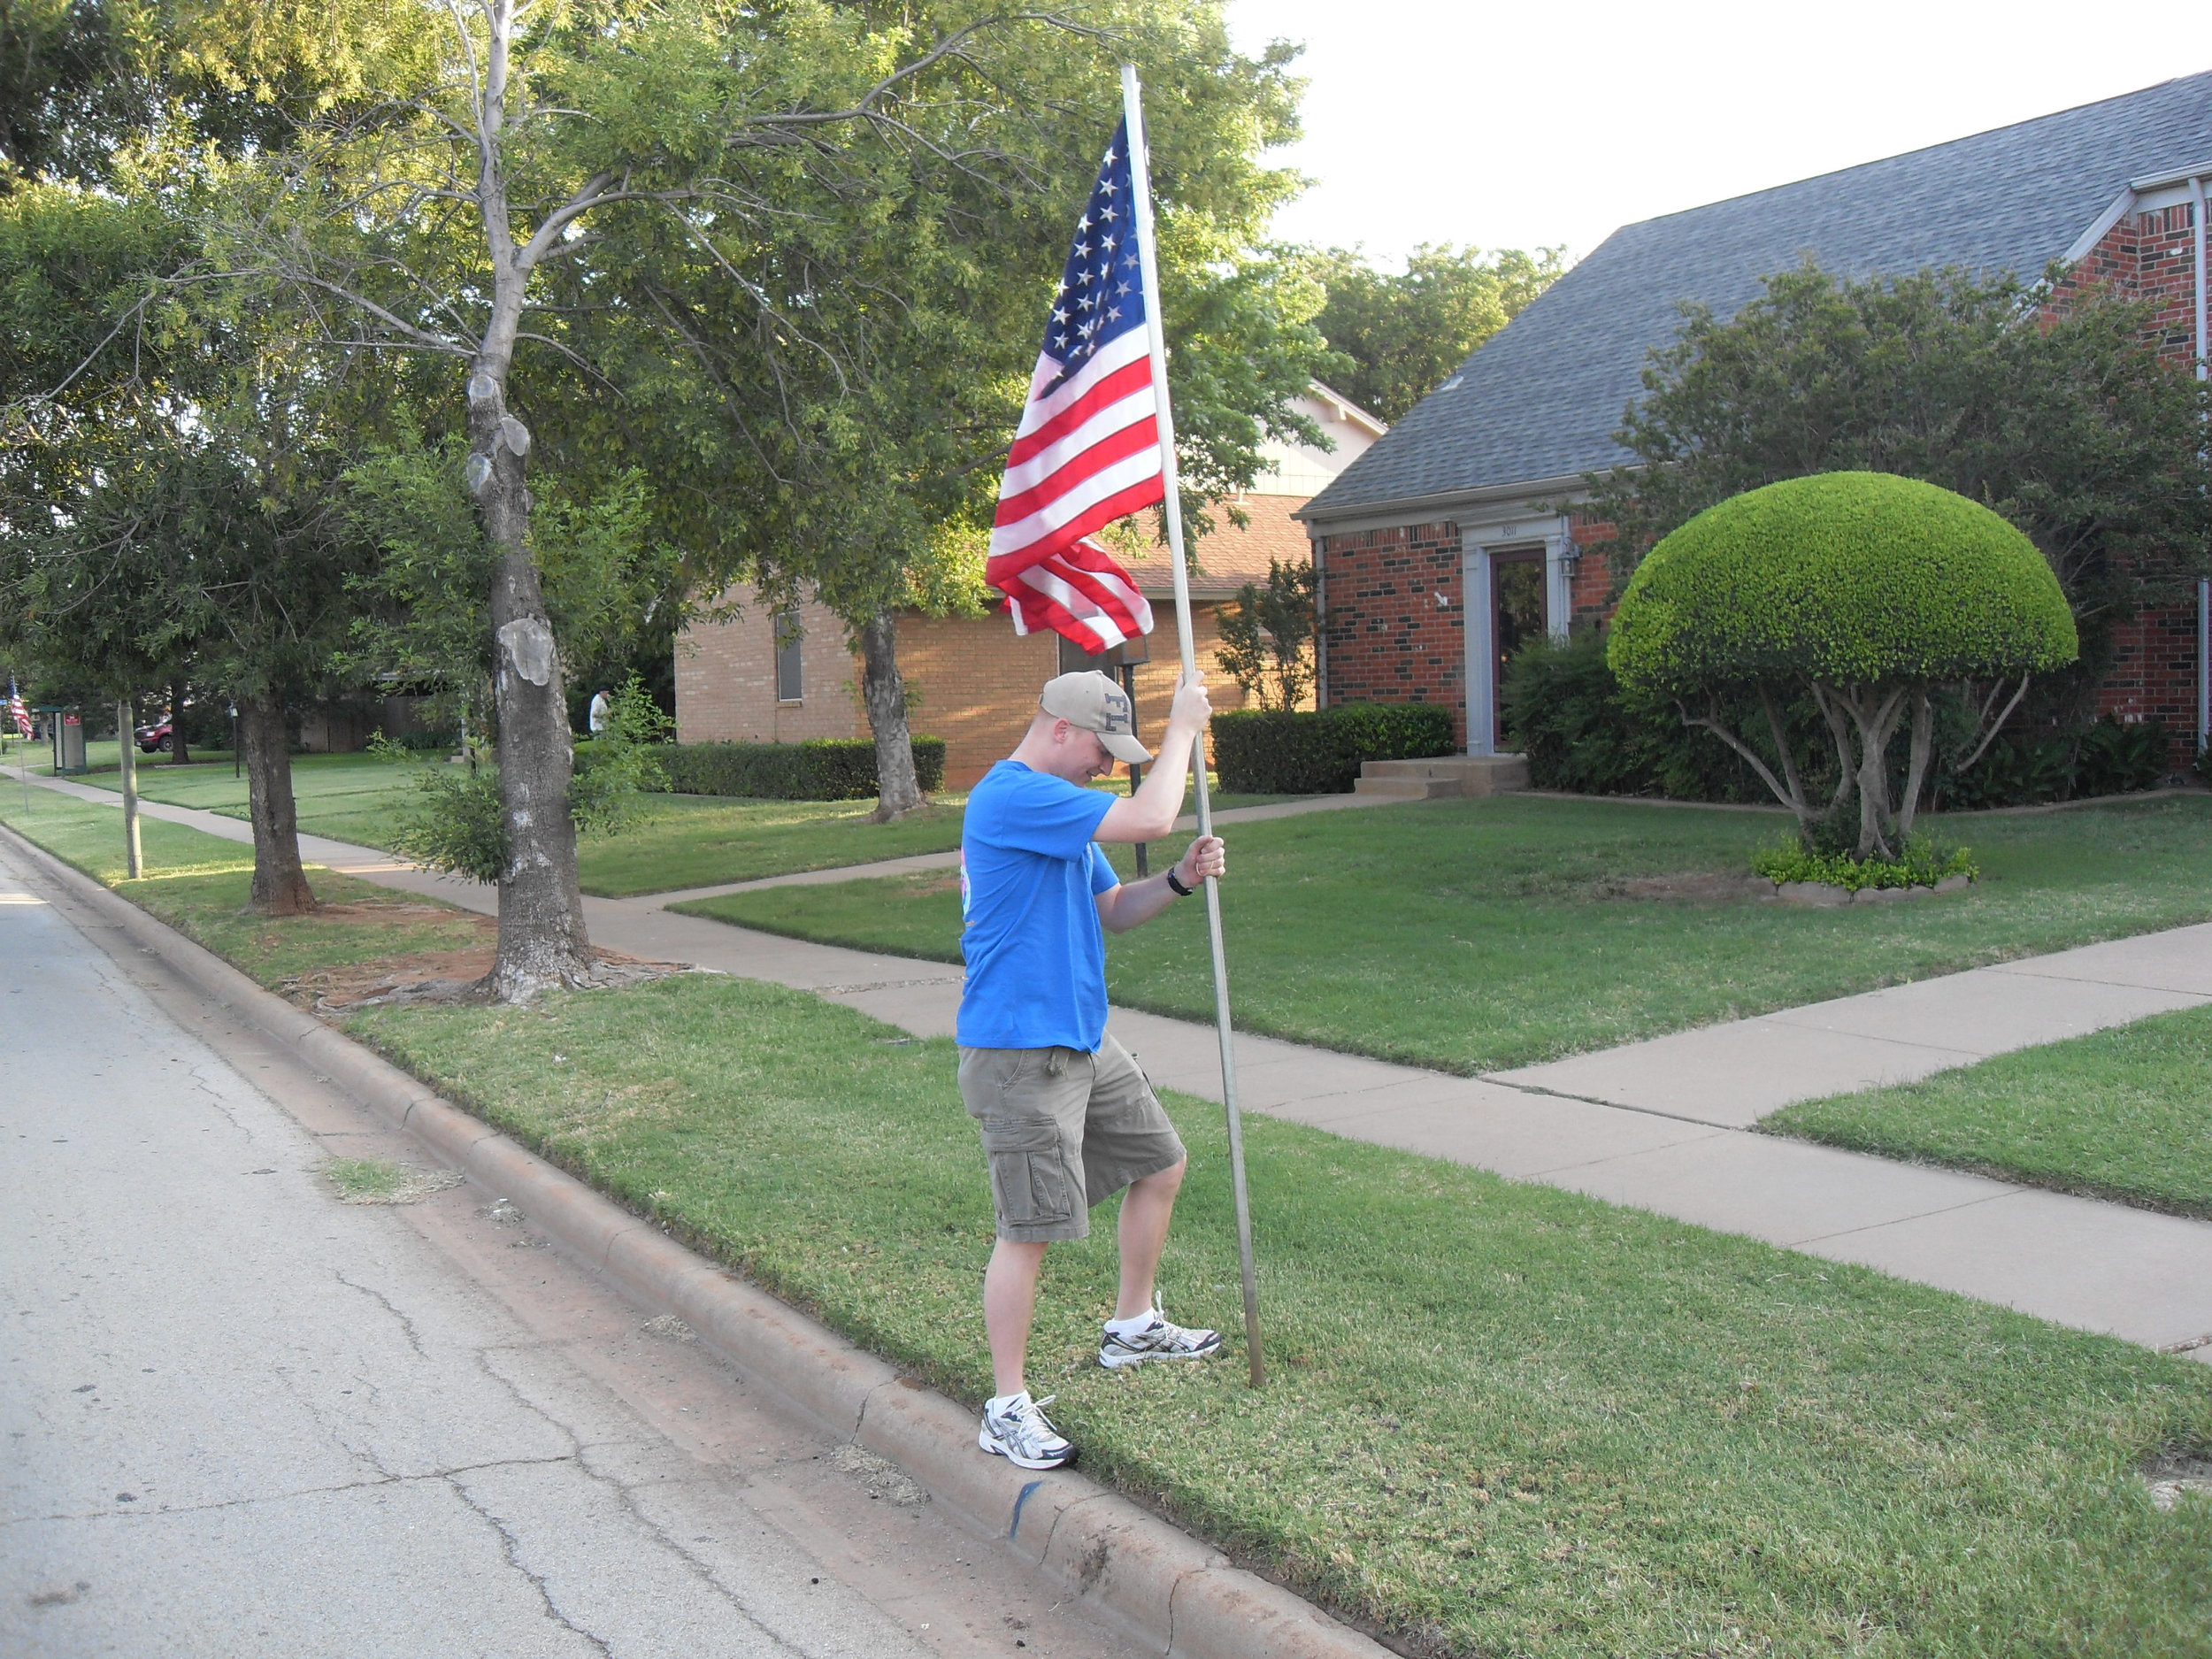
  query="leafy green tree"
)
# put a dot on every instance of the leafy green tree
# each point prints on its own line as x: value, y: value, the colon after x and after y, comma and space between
x: 856, y: 377
x: 1400, y: 335
x: 89, y: 87
x: 1267, y: 636
x: 2066, y: 422
x: 429, y: 222
x: 1866, y: 590
x: 208, y: 530
x: 166, y: 481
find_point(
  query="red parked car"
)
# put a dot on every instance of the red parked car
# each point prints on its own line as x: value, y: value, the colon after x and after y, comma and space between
x: 157, y: 738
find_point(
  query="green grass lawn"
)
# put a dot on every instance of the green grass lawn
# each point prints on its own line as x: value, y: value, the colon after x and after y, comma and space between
x: 693, y: 841
x: 675, y: 842
x: 197, y: 883
x: 347, y: 797
x: 2124, y: 1114
x: 1501, y: 1419
x: 1471, y: 935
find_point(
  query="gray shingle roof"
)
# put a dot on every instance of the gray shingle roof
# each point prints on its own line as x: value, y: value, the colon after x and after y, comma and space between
x: 1543, y: 397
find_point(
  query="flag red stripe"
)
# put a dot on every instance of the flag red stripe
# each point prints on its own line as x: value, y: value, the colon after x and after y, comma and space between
x: 1037, y: 609
x: 1131, y: 439
x: 1110, y: 389
x: 1044, y: 405
x: 1042, y: 531
x: 1100, y: 593
x: 1096, y: 517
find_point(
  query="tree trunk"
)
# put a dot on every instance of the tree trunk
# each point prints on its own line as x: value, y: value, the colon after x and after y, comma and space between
x: 542, y: 937
x: 883, y: 691
x: 1876, y: 724
x: 1840, y: 734
x: 280, y: 886
x: 179, y: 756
x: 1917, y: 770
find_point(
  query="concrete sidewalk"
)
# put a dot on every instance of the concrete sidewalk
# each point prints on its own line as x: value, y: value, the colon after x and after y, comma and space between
x: 1659, y: 1126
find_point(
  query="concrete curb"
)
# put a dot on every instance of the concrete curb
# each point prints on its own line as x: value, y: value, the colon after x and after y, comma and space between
x: 1157, y: 1583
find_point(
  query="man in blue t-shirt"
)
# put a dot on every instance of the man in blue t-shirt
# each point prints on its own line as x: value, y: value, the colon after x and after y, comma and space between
x: 1067, y: 1118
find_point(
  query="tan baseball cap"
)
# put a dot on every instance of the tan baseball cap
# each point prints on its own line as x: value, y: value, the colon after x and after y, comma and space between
x: 1088, y: 699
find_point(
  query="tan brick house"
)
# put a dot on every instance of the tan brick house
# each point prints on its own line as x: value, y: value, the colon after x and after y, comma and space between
x: 761, y: 678
x: 1455, y: 536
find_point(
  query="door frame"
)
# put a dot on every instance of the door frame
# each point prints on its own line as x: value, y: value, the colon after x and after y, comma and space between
x: 1546, y: 536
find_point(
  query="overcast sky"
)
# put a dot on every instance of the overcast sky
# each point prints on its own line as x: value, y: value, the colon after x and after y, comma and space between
x: 1555, y: 122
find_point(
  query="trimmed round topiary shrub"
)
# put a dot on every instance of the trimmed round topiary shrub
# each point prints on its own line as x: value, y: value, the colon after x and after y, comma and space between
x: 1870, y: 589
x: 1841, y: 577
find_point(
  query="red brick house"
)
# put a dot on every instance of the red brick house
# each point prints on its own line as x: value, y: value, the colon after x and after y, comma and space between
x: 1446, y: 544
x: 756, y: 677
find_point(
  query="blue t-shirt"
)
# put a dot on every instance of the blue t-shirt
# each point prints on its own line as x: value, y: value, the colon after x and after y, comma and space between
x: 1029, y: 878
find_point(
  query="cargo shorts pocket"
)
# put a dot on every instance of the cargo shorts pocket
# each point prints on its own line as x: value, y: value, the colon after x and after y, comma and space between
x: 1029, y: 1177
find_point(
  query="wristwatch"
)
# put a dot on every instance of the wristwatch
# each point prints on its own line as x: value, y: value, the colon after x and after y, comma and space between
x: 1181, y: 892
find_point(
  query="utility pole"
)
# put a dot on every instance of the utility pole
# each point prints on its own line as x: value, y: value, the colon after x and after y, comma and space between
x: 127, y: 745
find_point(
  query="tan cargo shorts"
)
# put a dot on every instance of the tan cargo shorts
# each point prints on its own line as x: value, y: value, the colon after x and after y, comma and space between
x: 1063, y: 1130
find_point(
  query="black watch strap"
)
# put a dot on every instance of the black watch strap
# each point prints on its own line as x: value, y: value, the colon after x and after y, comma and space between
x: 1181, y: 891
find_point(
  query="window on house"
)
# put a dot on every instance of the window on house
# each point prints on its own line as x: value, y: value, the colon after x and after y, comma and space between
x: 790, y: 642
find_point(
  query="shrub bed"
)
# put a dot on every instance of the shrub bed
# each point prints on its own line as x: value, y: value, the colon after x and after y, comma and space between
x: 1921, y: 865
x: 820, y: 768
x: 1275, y: 752
x: 1585, y: 735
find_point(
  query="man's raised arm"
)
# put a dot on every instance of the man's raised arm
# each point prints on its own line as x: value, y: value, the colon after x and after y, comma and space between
x: 1151, y: 814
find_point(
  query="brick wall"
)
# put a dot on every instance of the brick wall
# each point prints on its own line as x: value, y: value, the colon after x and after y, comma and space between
x: 1386, y: 638
x: 2151, y: 257
x: 1590, y: 588
x: 726, y: 679
x: 2146, y: 256
x: 977, y: 684
x: 2154, y: 676
x: 971, y: 681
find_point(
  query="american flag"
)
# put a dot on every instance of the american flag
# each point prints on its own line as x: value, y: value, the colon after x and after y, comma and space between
x: 17, y: 712
x: 1088, y: 450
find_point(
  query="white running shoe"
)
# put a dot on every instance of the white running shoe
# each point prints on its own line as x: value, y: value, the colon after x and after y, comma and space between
x: 1020, y: 1433
x: 1159, y: 1340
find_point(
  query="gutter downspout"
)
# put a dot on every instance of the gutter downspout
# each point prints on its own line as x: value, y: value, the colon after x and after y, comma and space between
x: 1316, y: 544
x: 2204, y: 585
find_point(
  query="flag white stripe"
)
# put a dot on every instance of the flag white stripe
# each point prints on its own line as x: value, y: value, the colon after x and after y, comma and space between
x: 1140, y: 405
x: 1118, y: 353
x: 1106, y: 482
x: 1075, y: 603
x: 1046, y: 580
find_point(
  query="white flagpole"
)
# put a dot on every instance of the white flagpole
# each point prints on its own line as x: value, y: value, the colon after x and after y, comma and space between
x: 1140, y: 178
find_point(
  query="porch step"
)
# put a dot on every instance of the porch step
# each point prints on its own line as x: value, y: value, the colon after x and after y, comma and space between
x: 1442, y: 776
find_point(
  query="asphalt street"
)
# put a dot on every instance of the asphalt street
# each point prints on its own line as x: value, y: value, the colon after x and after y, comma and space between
x: 244, y: 1418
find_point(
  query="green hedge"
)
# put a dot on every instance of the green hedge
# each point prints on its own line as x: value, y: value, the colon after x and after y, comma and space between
x: 1274, y: 752
x: 820, y: 768
x: 1584, y: 734
x: 1846, y: 577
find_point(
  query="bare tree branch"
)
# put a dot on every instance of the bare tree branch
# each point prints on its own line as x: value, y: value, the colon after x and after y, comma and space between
x: 1990, y: 729
x: 1718, y: 727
